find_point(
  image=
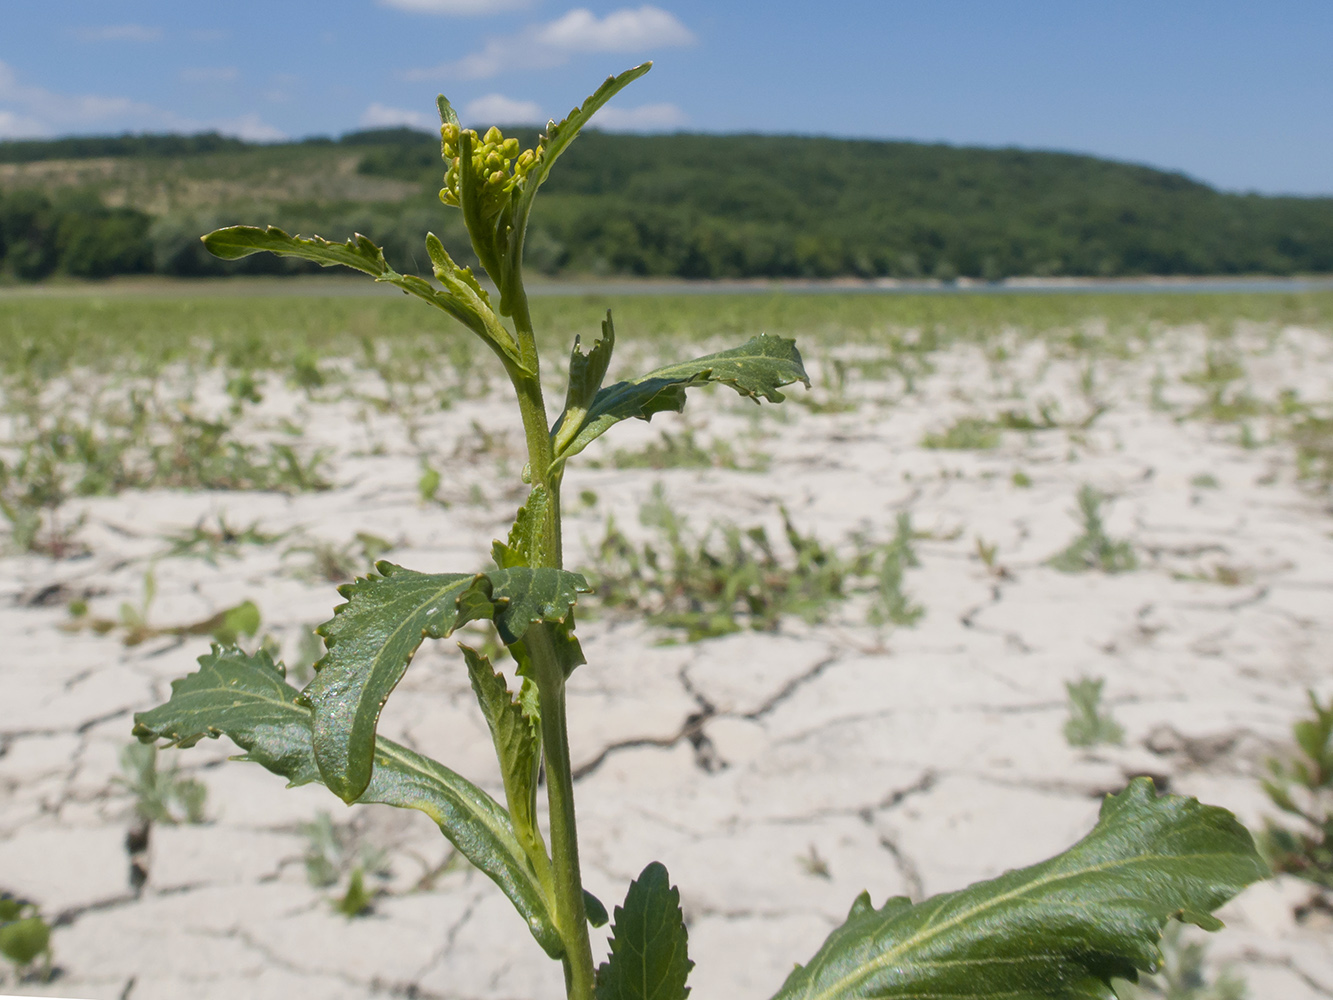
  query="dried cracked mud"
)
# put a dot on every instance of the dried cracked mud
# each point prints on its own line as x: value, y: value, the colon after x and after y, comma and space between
x: 776, y: 774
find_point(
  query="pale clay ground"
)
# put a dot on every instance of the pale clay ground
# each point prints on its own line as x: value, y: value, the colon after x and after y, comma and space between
x: 776, y: 775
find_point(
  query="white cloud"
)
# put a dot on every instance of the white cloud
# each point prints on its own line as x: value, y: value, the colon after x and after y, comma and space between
x: 14, y: 126
x: 382, y: 116
x: 119, y: 33
x: 496, y: 109
x: 644, y: 118
x: 545, y: 46
x: 36, y: 111
x: 209, y: 74
x: 250, y: 128
x: 459, y: 7
x: 620, y: 31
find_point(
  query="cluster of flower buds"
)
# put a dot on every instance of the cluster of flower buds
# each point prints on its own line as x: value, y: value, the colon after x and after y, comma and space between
x: 496, y: 162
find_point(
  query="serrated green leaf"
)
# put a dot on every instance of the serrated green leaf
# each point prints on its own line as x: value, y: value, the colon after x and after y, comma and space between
x: 526, y: 536
x: 461, y: 298
x: 1059, y: 929
x: 648, y: 958
x: 517, y: 747
x: 245, y: 697
x: 372, y: 638
x: 235, y: 242
x: 755, y: 369
x: 552, y: 144
x: 586, y: 373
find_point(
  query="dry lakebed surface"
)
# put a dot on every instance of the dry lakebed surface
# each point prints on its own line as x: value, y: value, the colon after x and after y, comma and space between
x: 776, y: 772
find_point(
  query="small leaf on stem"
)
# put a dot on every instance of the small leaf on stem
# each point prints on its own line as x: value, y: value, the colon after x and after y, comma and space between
x: 372, y: 638
x: 648, y: 943
x: 755, y: 369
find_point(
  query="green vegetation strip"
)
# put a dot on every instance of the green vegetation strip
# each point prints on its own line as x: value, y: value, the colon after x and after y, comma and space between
x: 234, y: 326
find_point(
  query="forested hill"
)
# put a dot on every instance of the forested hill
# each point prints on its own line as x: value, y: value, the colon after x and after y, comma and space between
x: 694, y: 206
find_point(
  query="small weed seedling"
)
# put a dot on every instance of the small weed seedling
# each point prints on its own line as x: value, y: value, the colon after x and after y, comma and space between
x: 334, y: 854
x: 1302, y: 787
x: 227, y: 626
x: 1088, y: 725
x: 1062, y: 928
x: 160, y: 796
x: 1094, y: 549
x: 211, y: 543
x: 965, y: 434
x: 24, y: 938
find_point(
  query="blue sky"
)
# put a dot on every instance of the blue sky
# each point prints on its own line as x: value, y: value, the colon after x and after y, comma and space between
x: 1239, y: 94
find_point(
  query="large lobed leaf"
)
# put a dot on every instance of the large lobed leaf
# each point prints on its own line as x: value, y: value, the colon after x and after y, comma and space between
x: 462, y: 297
x: 758, y: 368
x: 648, y: 943
x: 246, y: 698
x: 1059, y: 929
x: 372, y: 638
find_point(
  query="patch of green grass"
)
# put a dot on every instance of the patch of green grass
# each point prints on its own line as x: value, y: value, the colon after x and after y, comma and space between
x: 210, y: 543
x: 965, y: 434
x: 1313, y: 438
x: 683, y: 451
x: 731, y: 578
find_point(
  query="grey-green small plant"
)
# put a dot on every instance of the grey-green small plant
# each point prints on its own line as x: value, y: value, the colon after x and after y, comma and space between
x: 1062, y: 928
x: 1094, y: 549
x: 890, y: 604
x: 1184, y: 975
x: 720, y: 582
x: 335, y: 563
x: 1088, y: 725
x: 965, y: 434
x: 334, y: 854
x: 160, y: 796
x: 226, y: 626
x: 25, y: 937
x: 1302, y: 787
x: 210, y: 543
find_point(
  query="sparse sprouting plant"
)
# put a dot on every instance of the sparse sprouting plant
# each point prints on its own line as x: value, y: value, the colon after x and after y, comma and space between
x: 1302, y: 787
x: 965, y: 434
x: 160, y: 795
x: 335, y: 855
x: 1088, y: 725
x: 25, y: 937
x: 335, y: 563
x: 683, y: 451
x: 725, y: 580
x: 1063, y: 927
x: 1094, y: 549
x: 890, y: 604
x: 209, y: 543
x: 226, y: 626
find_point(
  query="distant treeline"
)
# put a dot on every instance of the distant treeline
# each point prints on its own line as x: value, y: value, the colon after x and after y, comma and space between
x: 703, y: 206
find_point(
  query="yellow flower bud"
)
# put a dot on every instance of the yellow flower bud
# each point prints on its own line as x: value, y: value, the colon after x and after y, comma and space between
x: 494, y: 136
x: 510, y: 148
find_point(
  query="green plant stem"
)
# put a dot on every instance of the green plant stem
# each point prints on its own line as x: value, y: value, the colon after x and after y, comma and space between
x: 571, y: 917
x: 536, y: 429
